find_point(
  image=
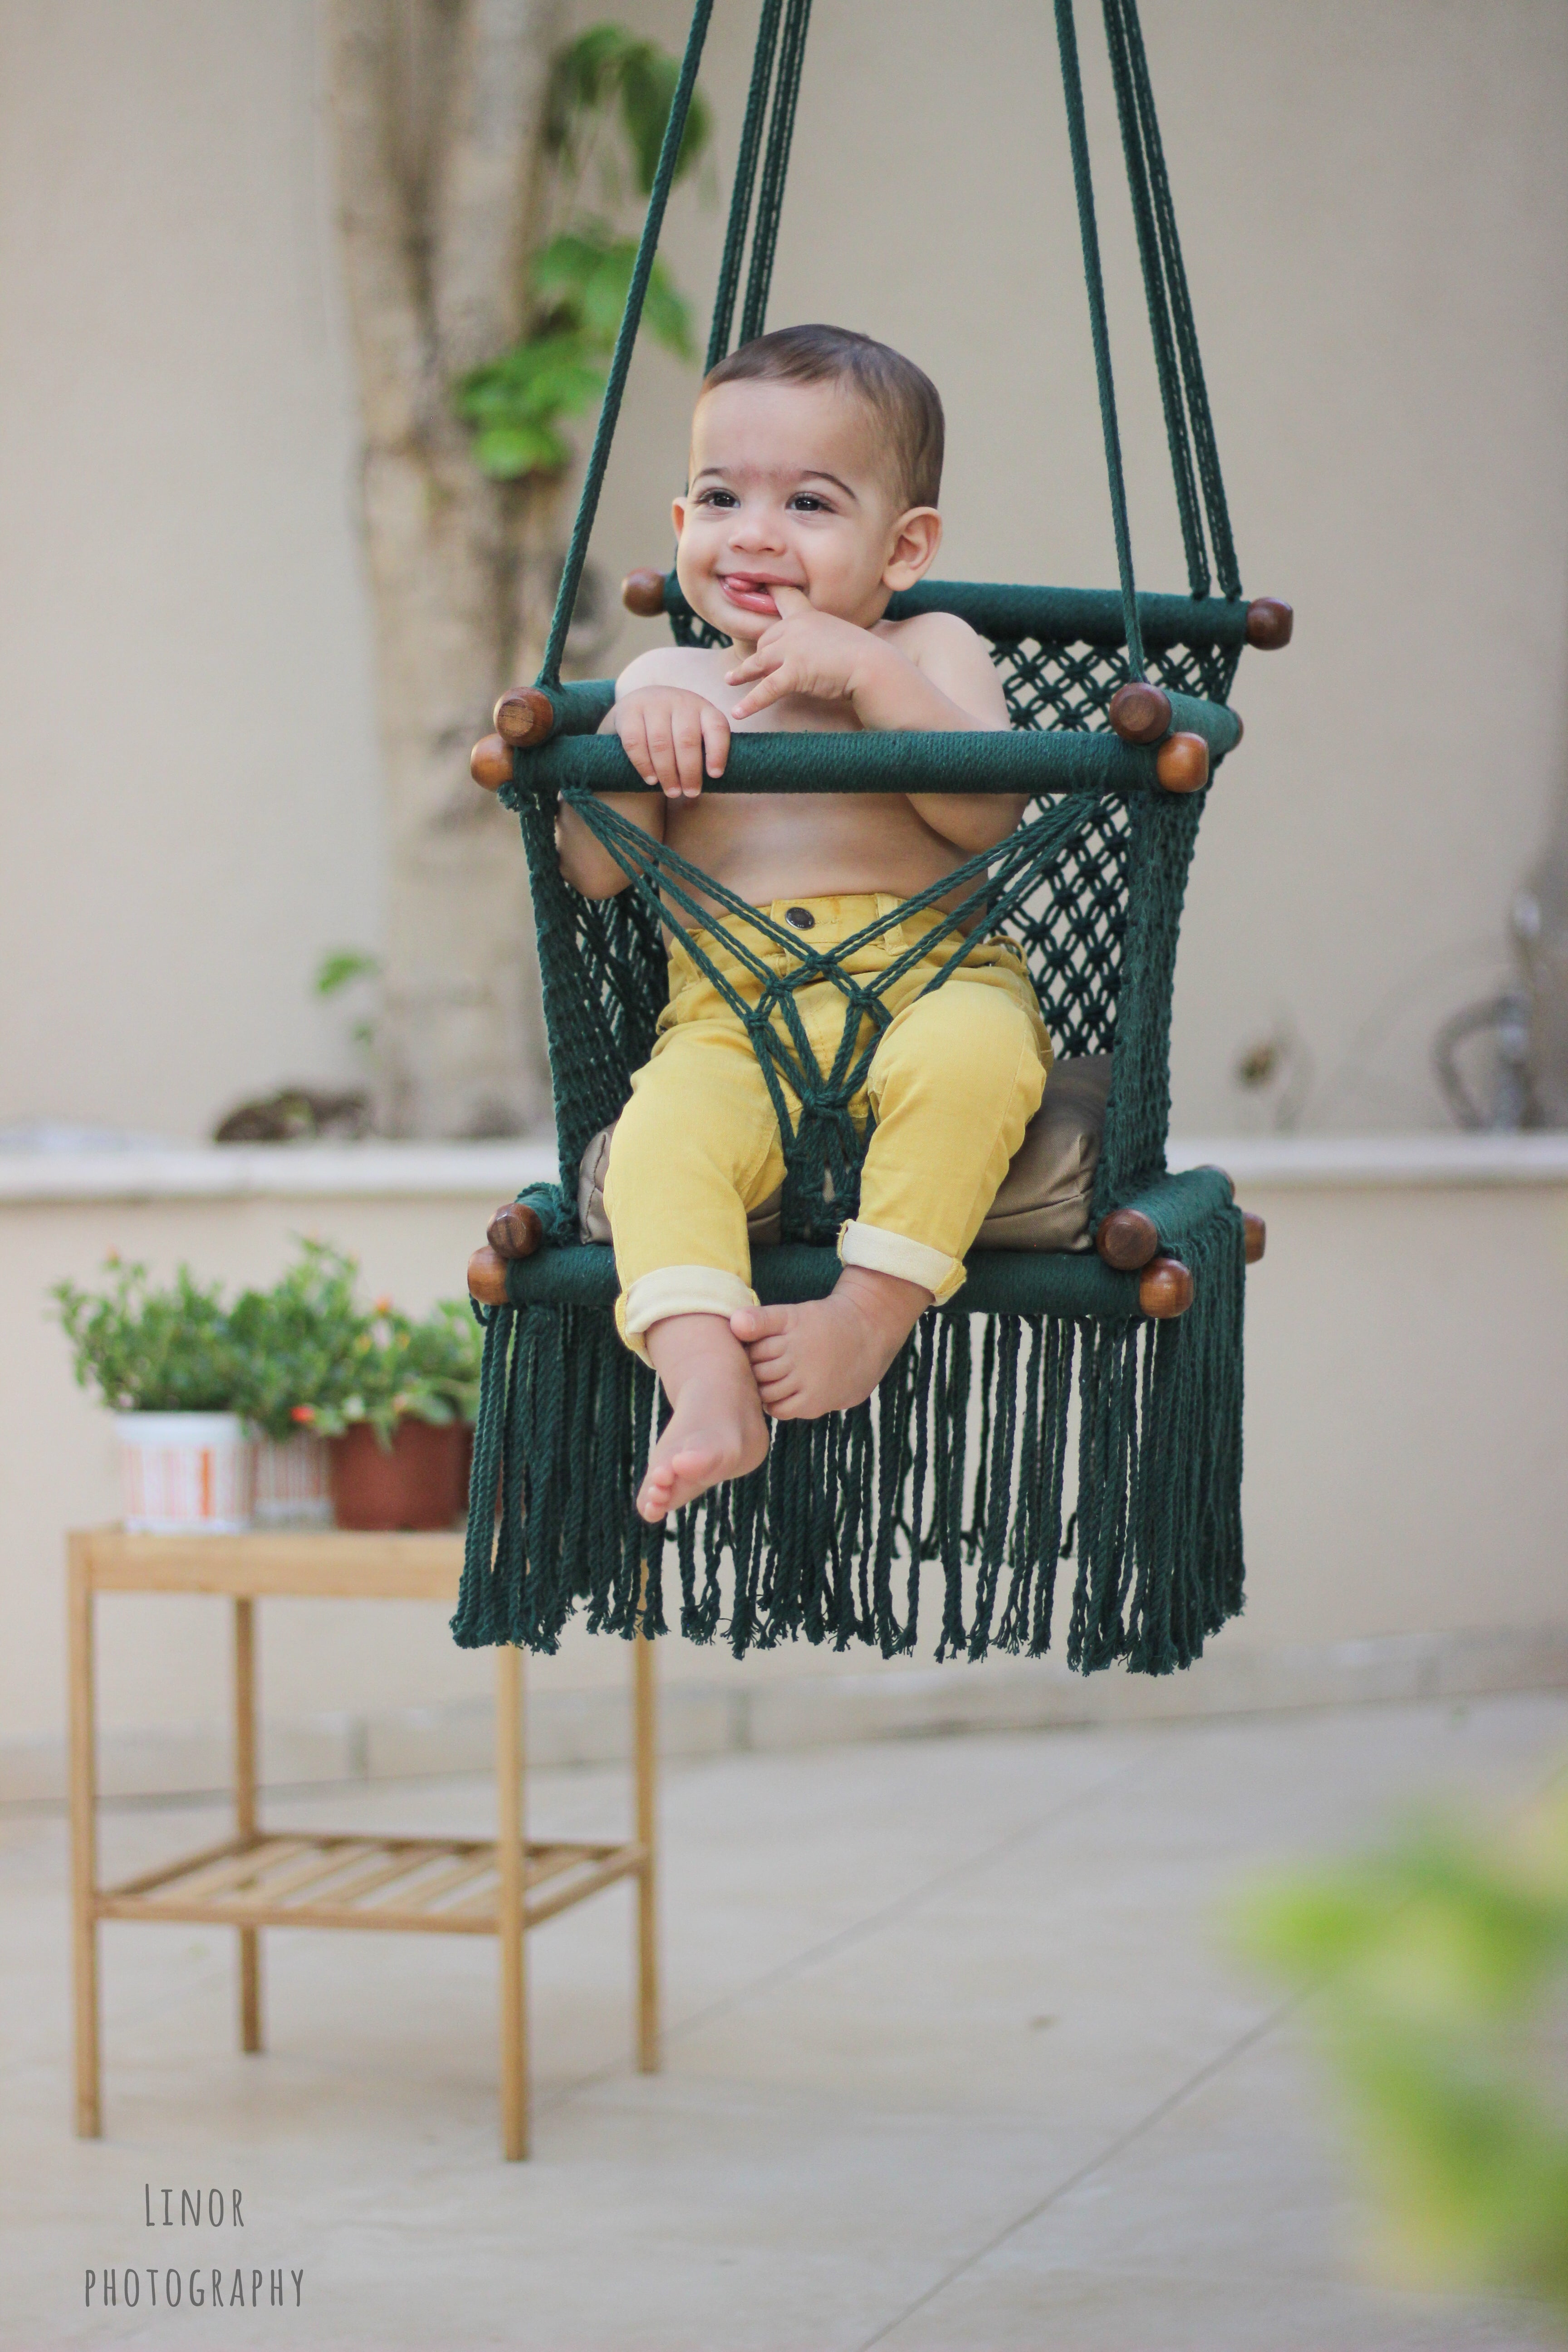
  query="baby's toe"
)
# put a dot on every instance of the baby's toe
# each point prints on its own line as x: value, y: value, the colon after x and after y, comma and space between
x: 748, y: 1323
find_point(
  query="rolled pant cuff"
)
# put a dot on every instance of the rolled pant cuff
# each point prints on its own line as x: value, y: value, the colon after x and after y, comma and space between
x: 887, y: 1253
x: 679, y: 1290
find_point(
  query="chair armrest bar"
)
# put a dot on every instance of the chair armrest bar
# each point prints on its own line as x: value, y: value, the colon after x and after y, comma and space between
x: 1019, y: 759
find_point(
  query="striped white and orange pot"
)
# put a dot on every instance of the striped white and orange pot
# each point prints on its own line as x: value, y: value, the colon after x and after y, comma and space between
x: 187, y: 1473
x: 294, y: 1482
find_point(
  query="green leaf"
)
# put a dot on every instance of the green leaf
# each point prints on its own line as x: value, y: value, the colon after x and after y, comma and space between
x: 516, y: 403
x: 649, y: 77
x: 564, y: 266
x: 582, y: 76
x: 608, y: 63
x: 1440, y: 1970
x: 509, y: 453
x: 592, y: 270
x: 336, y: 969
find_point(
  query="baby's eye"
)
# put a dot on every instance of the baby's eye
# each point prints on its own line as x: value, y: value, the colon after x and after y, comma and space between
x: 807, y: 502
x: 717, y: 498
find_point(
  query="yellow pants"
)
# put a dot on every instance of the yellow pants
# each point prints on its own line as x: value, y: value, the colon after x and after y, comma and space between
x: 955, y: 1080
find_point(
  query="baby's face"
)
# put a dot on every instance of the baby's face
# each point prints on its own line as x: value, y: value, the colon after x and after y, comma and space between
x: 787, y: 484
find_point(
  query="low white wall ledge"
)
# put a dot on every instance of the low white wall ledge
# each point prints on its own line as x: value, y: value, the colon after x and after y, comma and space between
x: 282, y: 1170
x: 434, y: 1171
x: 1330, y: 1162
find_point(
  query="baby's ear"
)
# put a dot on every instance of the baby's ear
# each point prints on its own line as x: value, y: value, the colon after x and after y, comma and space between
x: 917, y: 535
x: 678, y: 515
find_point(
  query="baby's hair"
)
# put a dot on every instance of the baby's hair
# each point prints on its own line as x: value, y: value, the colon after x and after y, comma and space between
x: 901, y: 396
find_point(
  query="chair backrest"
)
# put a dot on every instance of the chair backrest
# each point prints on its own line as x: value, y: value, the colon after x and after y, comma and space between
x: 1099, y: 931
x: 1062, y: 653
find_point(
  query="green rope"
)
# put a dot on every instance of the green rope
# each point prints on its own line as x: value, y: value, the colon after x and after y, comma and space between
x: 823, y: 1144
x: 1083, y: 184
x: 745, y: 181
x: 1182, y: 391
x: 1182, y: 310
x: 631, y: 318
x: 1166, y: 363
x: 814, y: 1542
x: 769, y: 197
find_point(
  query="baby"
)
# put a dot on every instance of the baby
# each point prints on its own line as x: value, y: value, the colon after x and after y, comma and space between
x: 816, y: 467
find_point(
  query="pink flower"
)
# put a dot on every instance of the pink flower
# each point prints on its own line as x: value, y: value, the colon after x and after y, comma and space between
x: 303, y: 1412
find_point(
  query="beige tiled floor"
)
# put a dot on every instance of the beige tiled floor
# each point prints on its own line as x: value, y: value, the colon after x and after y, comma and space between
x: 956, y: 2063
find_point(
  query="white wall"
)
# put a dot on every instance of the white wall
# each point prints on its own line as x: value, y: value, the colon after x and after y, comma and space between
x: 1374, y: 204
x: 186, y: 740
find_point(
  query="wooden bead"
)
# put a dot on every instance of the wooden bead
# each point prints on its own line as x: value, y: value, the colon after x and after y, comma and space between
x: 642, y: 592
x: 1127, y: 1239
x: 490, y: 762
x: 1141, y: 713
x: 1257, y: 1234
x: 1268, y: 624
x: 515, y: 1230
x: 1164, y: 1289
x: 1181, y: 763
x: 524, y: 716
x: 487, y: 1277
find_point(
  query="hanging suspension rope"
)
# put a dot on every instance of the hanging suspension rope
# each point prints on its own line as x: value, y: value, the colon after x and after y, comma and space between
x: 1083, y: 185
x: 1183, y: 389
x: 631, y: 319
x: 770, y: 199
x: 745, y: 181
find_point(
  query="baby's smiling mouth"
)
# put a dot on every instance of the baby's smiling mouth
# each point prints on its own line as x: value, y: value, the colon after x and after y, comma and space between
x: 752, y: 591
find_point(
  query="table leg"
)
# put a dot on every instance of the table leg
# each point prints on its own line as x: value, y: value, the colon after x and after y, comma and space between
x: 244, y: 1811
x: 511, y: 1856
x: 645, y: 1742
x: 84, y: 1845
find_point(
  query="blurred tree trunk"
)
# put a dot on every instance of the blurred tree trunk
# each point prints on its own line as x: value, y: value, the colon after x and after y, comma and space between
x: 437, y: 107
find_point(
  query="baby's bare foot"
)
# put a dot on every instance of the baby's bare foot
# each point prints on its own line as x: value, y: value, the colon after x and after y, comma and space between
x: 828, y: 1354
x: 716, y: 1430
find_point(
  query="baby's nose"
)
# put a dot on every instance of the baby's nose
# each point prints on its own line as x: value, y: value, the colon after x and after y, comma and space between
x: 754, y: 529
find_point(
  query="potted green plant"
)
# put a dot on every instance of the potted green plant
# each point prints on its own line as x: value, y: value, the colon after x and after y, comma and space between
x: 166, y: 1363
x: 399, y: 1418
x: 299, y: 1340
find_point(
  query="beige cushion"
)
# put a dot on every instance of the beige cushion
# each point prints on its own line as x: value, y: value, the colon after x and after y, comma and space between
x: 1043, y: 1204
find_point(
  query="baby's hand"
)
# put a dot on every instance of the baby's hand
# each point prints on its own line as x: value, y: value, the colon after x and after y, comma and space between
x: 665, y: 731
x: 802, y: 652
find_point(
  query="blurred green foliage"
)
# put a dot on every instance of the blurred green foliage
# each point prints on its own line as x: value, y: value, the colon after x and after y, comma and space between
x: 1438, y: 1970
x: 609, y: 100
x: 150, y: 1350
x: 308, y: 1353
x: 339, y: 969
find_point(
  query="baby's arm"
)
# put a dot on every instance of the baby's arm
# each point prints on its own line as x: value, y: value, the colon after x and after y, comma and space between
x: 665, y: 728
x: 937, y: 676
x: 954, y: 662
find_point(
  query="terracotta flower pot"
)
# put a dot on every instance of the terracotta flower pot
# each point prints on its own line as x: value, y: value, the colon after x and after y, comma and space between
x: 422, y: 1483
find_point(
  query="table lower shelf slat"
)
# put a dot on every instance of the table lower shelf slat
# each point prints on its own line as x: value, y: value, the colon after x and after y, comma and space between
x: 427, y: 1885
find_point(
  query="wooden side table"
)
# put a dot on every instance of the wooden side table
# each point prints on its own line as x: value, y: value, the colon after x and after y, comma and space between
x: 497, y: 1886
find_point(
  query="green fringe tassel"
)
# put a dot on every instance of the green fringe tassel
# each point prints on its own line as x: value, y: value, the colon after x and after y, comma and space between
x: 830, y: 1537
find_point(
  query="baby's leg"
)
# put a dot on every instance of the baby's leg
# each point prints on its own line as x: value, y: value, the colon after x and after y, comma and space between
x: 694, y: 1147
x: 954, y: 1082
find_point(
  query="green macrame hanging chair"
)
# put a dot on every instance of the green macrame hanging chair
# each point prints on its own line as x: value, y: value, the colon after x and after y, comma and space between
x: 831, y: 1537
